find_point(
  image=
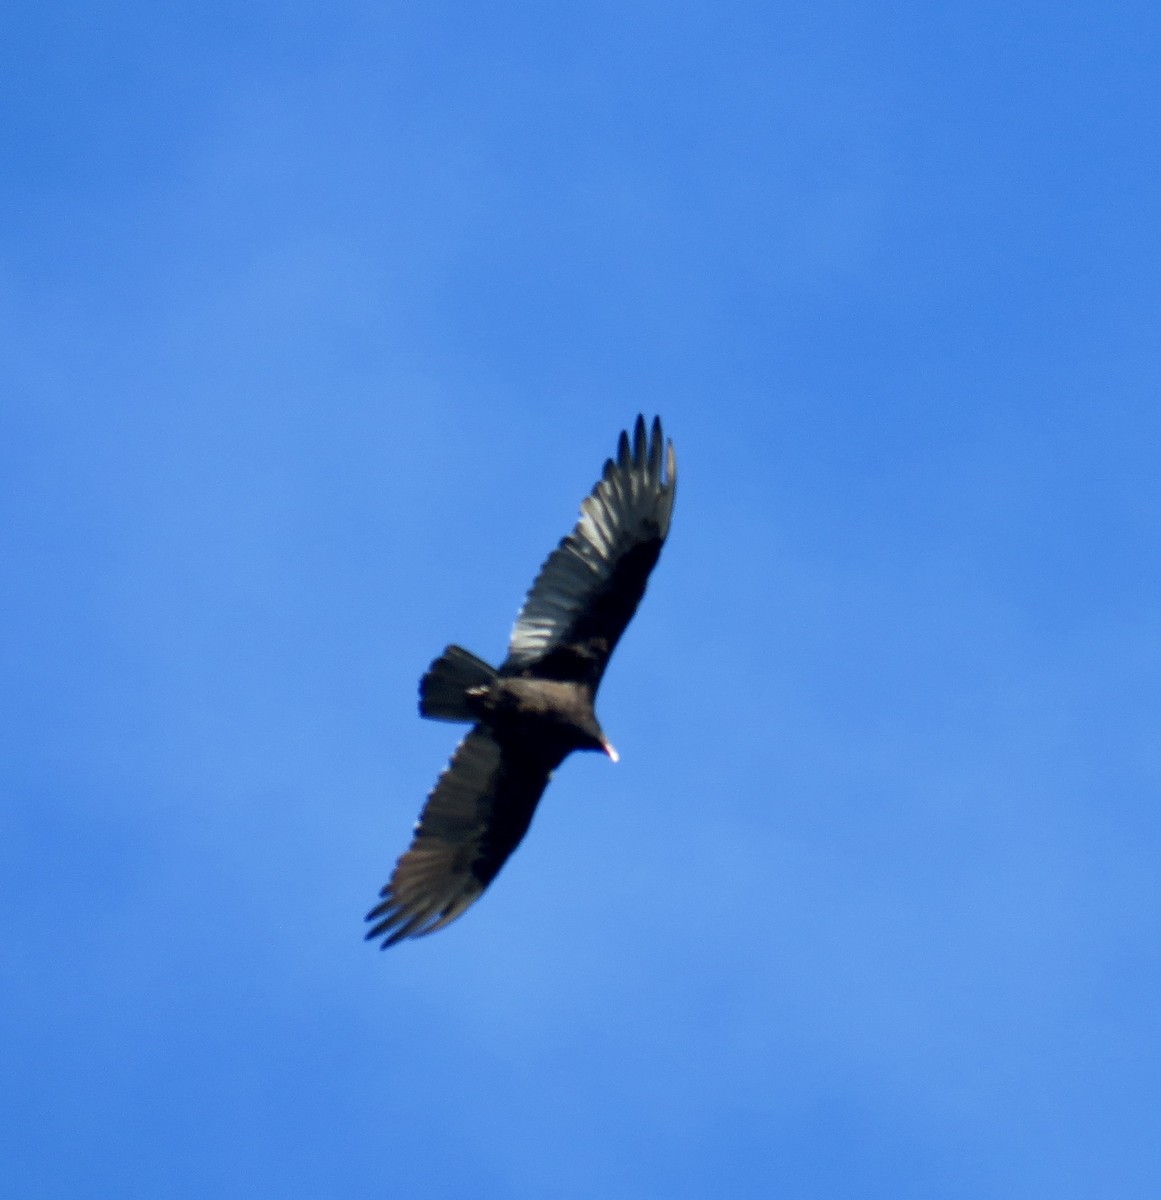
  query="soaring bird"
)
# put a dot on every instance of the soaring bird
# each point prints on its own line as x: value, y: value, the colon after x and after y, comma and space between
x: 529, y: 714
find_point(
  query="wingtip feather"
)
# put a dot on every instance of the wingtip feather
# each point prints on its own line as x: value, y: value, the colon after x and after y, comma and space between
x: 640, y: 442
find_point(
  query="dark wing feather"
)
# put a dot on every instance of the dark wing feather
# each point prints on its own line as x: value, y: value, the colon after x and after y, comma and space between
x: 590, y: 586
x: 476, y: 815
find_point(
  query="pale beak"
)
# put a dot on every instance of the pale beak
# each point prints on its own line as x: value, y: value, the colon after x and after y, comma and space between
x: 608, y: 748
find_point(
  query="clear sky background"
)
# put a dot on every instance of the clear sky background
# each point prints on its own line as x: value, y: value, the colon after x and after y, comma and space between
x: 316, y: 324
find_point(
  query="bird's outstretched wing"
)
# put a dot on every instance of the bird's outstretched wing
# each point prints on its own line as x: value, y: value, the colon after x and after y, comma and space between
x: 590, y: 586
x: 476, y: 815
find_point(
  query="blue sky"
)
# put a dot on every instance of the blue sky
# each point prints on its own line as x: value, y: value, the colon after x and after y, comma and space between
x: 316, y: 324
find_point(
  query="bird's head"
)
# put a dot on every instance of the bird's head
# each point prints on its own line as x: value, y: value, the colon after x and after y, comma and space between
x: 594, y: 739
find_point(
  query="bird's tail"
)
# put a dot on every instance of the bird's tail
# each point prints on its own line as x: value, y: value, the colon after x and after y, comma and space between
x: 443, y: 691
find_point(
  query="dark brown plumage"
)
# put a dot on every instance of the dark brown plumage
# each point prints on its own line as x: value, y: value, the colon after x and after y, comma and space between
x: 537, y: 708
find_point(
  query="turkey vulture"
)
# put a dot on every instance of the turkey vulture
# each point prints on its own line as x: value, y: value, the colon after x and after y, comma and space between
x: 532, y: 712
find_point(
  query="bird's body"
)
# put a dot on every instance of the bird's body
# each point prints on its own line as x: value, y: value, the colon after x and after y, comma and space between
x: 537, y: 707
